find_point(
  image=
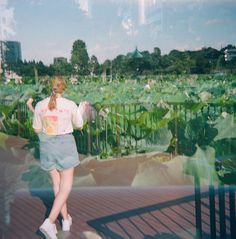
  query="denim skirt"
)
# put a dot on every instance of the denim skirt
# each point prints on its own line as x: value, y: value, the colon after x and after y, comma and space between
x: 58, y: 152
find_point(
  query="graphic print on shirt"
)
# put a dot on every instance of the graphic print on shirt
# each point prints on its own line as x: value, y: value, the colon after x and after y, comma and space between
x: 50, y: 124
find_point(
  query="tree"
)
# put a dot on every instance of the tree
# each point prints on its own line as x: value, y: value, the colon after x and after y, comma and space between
x: 180, y: 62
x: 107, y: 67
x: 119, y: 66
x: 80, y: 58
x: 62, y: 68
x: 94, y: 66
x: 202, y: 64
x: 146, y: 62
x: 155, y: 60
x: 137, y: 62
x: 27, y: 69
x: 165, y: 62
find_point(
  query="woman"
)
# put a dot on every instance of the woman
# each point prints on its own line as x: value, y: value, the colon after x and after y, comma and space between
x: 54, y: 119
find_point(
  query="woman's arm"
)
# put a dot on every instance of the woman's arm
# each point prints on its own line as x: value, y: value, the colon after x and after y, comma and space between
x: 31, y: 108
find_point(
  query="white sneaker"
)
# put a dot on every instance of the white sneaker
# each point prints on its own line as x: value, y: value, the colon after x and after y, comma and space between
x: 66, y: 224
x: 55, y: 229
x: 48, y: 229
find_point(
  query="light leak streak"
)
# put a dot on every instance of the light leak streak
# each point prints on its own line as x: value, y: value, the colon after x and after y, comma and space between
x: 6, y: 20
x: 84, y: 6
x: 144, y: 6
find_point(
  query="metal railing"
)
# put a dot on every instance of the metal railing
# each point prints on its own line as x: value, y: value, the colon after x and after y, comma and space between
x: 122, y: 128
x: 221, y: 210
x: 134, y: 127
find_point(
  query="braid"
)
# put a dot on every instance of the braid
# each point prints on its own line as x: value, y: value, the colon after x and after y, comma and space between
x: 58, y: 86
x: 52, y: 102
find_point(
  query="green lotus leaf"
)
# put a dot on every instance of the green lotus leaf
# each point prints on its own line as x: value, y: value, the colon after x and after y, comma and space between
x: 202, y: 164
x: 226, y: 127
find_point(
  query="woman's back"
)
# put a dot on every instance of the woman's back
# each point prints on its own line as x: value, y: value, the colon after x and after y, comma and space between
x: 58, y: 121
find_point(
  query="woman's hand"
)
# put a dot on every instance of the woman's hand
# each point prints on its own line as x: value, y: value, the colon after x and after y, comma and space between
x: 87, y: 111
x: 29, y: 104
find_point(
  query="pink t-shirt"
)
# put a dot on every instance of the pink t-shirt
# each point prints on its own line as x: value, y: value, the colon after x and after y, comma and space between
x: 59, y: 121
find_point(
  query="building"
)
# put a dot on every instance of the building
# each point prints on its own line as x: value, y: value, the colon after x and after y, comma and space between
x: 59, y: 60
x: 135, y: 54
x: 12, y: 52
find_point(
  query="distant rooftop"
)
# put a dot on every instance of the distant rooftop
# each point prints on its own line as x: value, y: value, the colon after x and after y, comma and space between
x: 135, y: 54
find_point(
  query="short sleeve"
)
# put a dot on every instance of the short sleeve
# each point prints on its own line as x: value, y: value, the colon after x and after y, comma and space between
x: 37, y: 121
x: 77, y: 119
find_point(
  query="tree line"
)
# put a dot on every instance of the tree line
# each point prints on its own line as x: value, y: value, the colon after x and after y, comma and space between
x: 204, y: 61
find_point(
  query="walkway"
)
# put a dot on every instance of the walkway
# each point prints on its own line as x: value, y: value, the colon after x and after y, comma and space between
x: 114, y: 212
x: 102, y: 203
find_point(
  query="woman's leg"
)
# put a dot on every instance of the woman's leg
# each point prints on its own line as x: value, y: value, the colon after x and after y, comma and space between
x: 63, y: 183
x: 56, y: 178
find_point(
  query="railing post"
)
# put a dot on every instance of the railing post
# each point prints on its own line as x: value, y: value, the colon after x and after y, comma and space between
x: 198, y: 214
x: 124, y: 125
x: 176, y: 132
x: 212, y: 210
x: 89, y: 139
x: 18, y: 118
x: 135, y: 129
x: 118, y: 125
x: 97, y: 128
x: 221, y: 191
x: 232, y: 211
x: 106, y: 136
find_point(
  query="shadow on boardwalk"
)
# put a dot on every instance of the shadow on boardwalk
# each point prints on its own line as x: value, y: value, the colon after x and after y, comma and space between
x: 170, y: 219
x: 118, y: 213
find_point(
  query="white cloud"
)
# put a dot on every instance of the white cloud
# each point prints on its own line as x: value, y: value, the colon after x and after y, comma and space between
x: 35, y: 2
x: 84, y: 6
x: 129, y: 26
x: 7, y: 21
x: 216, y: 22
x: 125, y: 15
x: 198, y: 38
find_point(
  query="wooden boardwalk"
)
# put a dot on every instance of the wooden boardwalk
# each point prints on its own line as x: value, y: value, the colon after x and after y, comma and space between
x: 114, y: 212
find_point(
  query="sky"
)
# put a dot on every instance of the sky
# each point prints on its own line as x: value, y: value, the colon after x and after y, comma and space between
x: 48, y: 28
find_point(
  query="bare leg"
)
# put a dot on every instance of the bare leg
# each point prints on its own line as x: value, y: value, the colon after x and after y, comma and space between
x: 56, y: 179
x: 66, y: 180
